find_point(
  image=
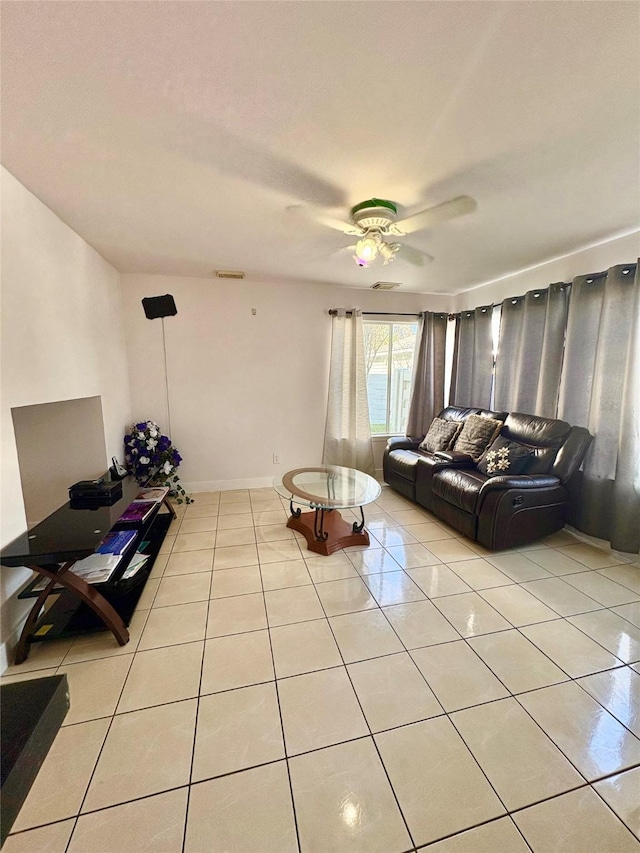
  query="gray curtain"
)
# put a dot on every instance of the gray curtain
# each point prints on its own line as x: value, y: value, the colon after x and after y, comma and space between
x: 347, y: 437
x: 427, y: 394
x: 529, y: 357
x: 600, y: 389
x: 472, y: 370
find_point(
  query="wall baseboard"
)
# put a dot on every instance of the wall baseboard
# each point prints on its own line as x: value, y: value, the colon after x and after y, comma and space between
x: 228, y: 485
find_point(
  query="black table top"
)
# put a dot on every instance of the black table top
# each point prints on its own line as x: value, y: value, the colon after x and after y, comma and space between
x: 68, y: 533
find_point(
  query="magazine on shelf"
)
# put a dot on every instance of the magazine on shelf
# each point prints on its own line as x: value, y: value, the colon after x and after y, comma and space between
x: 138, y: 511
x: 116, y: 542
x: 157, y: 493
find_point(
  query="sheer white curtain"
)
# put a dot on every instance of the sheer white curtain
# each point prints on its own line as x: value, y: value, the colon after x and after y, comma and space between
x: 600, y: 389
x: 347, y: 437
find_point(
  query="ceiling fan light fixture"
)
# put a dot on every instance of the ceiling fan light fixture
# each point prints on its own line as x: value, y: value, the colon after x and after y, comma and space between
x: 366, y: 250
x: 388, y: 251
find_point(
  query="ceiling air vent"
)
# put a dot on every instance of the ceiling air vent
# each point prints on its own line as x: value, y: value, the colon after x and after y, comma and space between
x: 229, y: 274
x: 385, y: 285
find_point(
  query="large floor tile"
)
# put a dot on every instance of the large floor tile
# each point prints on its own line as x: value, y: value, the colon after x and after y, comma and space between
x: 617, y: 690
x: 284, y: 574
x: 277, y: 552
x: 520, y: 761
x: 471, y: 615
x: 562, y: 596
x: 594, y: 558
x: 333, y: 568
x: 499, y: 836
x: 270, y: 516
x: 201, y: 511
x: 235, y: 555
x: 374, y: 561
x: 94, y: 687
x: 577, y: 822
x: 65, y: 773
x: 480, y: 574
x: 152, y: 825
x: 163, y: 675
x: 516, y: 661
x: 236, y: 536
x: 235, y: 521
x: 199, y: 525
x: 451, y: 550
x: 345, y: 596
x: 594, y: 741
x: 194, y: 541
x: 189, y: 562
x: 436, y: 804
x: 103, y: 643
x: 46, y: 839
x: 242, y: 813
x: 236, y: 614
x: 556, y: 562
x: 319, y: 709
x: 403, y: 515
x: 273, y: 533
x: 295, y: 604
x: 304, y: 647
x: 240, y: 581
x: 630, y: 612
x: 621, y: 792
x: 436, y: 581
x: 393, y: 588
x: 183, y: 589
x: 517, y: 566
x: 392, y: 692
x: 45, y: 656
x: 237, y: 507
x: 413, y: 555
x: 628, y: 576
x: 236, y: 661
x: 457, y: 676
x: 388, y: 536
x: 364, y: 635
x: 419, y: 623
x: 344, y: 801
x: 168, y: 626
x: 569, y: 648
x: 149, y: 592
x: 145, y: 752
x: 602, y: 589
x: 613, y: 632
x: 427, y: 531
x: 237, y: 729
x: 517, y: 605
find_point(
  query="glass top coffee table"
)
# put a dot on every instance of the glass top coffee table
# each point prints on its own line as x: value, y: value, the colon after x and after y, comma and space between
x: 326, y: 490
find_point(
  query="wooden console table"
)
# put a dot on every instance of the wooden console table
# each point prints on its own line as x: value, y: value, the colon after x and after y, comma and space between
x: 52, y: 547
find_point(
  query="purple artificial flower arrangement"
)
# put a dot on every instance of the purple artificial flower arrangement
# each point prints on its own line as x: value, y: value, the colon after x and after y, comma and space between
x: 153, y: 460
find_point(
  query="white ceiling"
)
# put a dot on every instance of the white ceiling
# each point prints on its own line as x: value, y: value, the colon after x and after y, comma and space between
x: 173, y: 136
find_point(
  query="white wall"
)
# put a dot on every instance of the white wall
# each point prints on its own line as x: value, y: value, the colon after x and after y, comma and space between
x: 62, y: 338
x: 241, y: 387
x: 623, y: 250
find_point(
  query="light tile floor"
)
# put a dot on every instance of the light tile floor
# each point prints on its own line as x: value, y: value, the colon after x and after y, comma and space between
x: 422, y: 693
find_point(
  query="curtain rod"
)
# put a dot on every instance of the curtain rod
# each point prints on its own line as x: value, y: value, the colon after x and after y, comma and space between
x: 333, y: 312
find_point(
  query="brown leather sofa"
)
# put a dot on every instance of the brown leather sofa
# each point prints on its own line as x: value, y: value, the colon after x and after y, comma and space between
x: 500, y: 511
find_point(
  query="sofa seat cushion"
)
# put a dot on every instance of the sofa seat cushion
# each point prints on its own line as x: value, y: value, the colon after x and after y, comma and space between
x: 404, y: 463
x: 459, y: 486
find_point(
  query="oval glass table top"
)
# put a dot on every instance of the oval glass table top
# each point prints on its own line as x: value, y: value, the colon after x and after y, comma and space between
x: 327, y: 487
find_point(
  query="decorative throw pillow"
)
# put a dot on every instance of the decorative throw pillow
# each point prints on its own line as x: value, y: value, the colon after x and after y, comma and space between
x: 505, y: 457
x: 441, y: 435
x: 476, y: 435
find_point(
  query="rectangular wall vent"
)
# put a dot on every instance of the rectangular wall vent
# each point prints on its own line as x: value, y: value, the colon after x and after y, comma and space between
x: 385, y: 285
x: 229, y: 274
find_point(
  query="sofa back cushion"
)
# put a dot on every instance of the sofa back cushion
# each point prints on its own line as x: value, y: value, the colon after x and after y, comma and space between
x: 476, y: 435
x: 505, y: 457
x: 543, y: 435
x: 441, y: 436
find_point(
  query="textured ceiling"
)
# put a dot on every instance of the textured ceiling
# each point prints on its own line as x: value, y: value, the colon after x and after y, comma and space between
x: 176, y: 136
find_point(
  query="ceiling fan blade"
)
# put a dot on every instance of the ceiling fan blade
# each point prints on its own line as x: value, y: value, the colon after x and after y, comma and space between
x: 314, y: 214
x: 434, y: 215
x: 414, y: 256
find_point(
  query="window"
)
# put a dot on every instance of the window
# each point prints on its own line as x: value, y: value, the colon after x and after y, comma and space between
x: 388, y: 350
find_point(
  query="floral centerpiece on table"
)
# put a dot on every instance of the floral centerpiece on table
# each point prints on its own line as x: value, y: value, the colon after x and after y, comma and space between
x: 152, y: 459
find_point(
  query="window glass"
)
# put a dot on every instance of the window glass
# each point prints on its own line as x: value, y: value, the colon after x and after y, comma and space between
x: 389, y: 349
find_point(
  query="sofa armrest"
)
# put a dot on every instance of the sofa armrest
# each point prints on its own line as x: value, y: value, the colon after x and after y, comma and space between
x: 521, y: 481
x: 454, y: 457
x: 403, y: 443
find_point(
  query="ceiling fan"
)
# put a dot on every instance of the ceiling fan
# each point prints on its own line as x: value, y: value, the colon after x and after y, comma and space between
x: 374, y: 219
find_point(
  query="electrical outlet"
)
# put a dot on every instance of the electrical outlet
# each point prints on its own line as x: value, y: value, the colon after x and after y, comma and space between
x: 276, y: 458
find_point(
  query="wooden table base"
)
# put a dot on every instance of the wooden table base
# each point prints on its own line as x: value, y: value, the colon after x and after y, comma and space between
x: 340, y: 534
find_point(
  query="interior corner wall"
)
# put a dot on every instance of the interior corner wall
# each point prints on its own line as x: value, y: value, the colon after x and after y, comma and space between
x: 623, y: 250
x: 242, y: 386
x: 62, y: 339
